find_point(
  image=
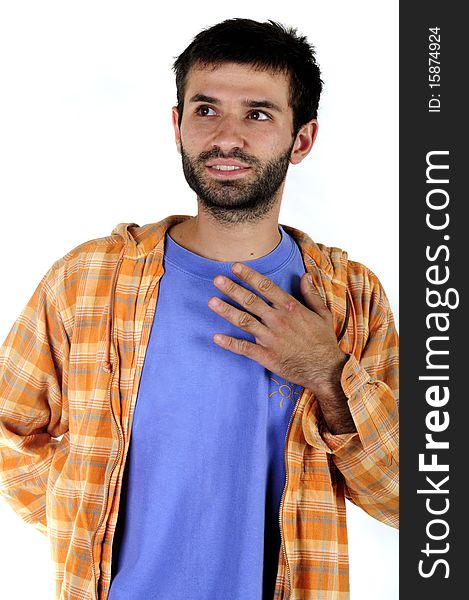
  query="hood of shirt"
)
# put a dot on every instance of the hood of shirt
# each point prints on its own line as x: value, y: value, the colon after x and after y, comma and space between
x: 327, y: 265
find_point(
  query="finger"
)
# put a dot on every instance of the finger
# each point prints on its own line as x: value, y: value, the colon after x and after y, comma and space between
x: 239, y: 346
x: 312, y: 299
x: 262, y: 284
x: 237, y: 317
x: 245, y: 298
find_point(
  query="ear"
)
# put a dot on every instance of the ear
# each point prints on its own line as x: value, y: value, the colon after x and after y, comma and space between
x: 177, y: 131
x: 304, y: 141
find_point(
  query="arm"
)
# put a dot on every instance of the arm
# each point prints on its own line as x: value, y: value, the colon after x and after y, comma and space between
x: 356, y: 394
x: 369, y: 458
x: 32, y: 384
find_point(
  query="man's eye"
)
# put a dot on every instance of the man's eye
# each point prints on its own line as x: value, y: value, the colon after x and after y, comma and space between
x: 258, y: 115
x: 205, y: 111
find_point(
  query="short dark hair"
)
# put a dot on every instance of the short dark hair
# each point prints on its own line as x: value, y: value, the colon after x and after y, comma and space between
x: 269, y: 46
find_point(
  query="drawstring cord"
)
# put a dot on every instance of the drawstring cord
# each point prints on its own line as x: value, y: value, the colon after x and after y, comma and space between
x: 354, y: 319
x: 107, y: 365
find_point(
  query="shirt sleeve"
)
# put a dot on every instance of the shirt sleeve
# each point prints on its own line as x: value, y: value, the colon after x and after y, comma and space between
x: 368, y: 460
x: 32, y: 387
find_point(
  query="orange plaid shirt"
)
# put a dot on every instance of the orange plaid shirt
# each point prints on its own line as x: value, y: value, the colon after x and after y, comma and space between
x: 69, y: 375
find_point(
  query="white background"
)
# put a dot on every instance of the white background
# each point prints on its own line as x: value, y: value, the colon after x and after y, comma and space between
x: 86, y: 142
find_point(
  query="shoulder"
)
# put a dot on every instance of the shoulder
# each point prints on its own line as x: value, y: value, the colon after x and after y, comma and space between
x: 85, y: 269
x: 96, y: 259
x: 345, y: 277
x: 334, y: 262
x: 91, y: 255
x: 365, y: 286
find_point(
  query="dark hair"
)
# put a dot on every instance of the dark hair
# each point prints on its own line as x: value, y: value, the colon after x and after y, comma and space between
x: 269, y: 46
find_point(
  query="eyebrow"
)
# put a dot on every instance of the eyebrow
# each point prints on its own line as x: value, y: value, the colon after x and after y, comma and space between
x: 248, y: 103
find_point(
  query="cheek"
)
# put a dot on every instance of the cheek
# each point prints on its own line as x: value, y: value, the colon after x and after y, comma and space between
x: 197, y: 132
x: 268, y: 139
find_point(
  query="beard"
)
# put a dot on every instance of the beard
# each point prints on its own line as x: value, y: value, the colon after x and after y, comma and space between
x: 236, y: 201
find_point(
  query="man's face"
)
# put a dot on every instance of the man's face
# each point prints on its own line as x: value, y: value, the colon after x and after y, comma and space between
x: 236, y: 139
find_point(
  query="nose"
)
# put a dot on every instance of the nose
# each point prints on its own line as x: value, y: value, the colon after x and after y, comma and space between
x: 228, y: 135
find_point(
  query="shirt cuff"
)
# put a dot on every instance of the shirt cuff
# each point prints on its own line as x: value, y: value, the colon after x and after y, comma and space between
x: 353, y: 377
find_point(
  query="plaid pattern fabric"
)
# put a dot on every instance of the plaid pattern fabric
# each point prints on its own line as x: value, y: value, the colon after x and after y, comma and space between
x: 69, y: 375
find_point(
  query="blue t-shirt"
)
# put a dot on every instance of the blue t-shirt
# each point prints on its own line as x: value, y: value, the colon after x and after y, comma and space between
x: 205, y: 472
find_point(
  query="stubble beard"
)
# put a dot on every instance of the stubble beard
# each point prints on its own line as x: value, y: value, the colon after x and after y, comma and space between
x: 236, y: 201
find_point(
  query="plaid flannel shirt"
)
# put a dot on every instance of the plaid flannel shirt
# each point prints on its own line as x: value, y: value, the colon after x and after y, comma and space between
x: 69, y: 375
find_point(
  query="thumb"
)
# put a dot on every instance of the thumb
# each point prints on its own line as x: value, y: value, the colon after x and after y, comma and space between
x: 311, y: 295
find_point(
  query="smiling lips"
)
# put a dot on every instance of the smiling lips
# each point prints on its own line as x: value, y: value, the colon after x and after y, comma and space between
x: 227, y: 168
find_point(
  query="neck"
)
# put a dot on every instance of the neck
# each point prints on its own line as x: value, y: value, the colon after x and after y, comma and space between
x: 227, y: 242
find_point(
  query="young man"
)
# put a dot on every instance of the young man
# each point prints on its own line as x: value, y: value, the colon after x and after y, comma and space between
x: 184, y: 406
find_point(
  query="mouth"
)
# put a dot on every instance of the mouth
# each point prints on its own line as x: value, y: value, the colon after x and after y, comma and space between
x: 227, y: 169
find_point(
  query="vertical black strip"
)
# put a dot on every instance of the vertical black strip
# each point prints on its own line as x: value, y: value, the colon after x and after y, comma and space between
x: 433, y: 306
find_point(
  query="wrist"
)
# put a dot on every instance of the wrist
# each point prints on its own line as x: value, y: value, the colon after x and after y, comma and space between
x: 332, y: 400
x: 328, y: 381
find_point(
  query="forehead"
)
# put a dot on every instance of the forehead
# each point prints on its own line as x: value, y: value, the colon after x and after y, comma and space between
x: 233, y: 81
